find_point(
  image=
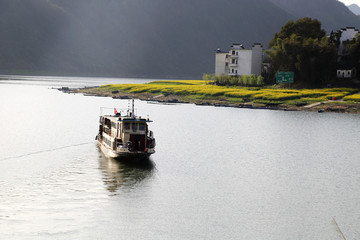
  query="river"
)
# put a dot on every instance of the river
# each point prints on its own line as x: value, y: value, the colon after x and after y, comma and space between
x: 218, y: 173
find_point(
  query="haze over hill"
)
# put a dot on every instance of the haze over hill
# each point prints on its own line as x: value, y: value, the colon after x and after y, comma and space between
x: 355, y: 9
x: 141, y: 38
x: 332, y: 13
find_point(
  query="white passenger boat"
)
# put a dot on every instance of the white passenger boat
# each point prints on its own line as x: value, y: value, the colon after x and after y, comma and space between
x: 125, y: 136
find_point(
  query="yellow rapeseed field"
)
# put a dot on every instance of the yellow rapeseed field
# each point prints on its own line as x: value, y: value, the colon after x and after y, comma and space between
x: 354, y: 98
x: 203, y: 88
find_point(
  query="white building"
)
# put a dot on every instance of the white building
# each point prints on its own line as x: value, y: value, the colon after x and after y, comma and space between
x: 346, y: 67
x: 346, y: 35
x: 239, y: 61
x: 347, y: 73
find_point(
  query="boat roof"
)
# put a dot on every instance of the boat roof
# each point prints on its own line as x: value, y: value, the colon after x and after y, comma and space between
x: 129, y: 117
x: 126, y: 118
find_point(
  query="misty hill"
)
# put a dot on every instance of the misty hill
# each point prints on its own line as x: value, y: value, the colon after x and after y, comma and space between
x: 355, y: 9
x: 137, y: 38
x: 332, y: 13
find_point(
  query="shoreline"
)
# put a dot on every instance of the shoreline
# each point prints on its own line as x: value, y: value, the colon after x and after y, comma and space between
x: 334, y: 106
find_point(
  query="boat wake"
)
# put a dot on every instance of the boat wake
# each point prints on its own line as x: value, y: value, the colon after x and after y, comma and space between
x: 44, y: 151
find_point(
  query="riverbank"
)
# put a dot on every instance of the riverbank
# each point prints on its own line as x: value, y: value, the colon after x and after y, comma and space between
x: 203, y: 93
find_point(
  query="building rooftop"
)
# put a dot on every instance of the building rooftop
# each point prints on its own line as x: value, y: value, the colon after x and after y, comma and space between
x: 237, y: 46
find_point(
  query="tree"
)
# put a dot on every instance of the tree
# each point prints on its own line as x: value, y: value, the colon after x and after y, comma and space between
x: 303, y: 28
x: 302, y: 47
x: 354, y: 47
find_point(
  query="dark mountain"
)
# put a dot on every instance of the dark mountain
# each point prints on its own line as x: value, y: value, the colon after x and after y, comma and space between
x: 35, y: 37
x: 332, y: 13
x: 138, y: 38
x: 176, y: 38
x: 355, y: 9
x: 157, y: 38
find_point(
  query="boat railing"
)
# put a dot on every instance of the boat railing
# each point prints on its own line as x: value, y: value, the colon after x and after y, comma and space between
x: 114, y: 111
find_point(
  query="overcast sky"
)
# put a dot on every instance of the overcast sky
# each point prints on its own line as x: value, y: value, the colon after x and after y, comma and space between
x: 348, y: 2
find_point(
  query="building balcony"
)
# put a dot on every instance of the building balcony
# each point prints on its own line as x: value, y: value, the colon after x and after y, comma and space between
x: 233, y: 64
x: 232, y: 74
x: 234, y: 56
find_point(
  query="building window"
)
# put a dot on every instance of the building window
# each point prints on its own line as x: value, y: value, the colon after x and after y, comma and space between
x: 233, y: 53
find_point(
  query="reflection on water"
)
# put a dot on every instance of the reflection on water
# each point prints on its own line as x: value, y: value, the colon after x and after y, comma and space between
x: 118, y: 173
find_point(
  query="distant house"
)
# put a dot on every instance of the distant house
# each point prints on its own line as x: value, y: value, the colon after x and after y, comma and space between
x: 345, y: 36
x: 239, y: 61
x: 342, y: 38
x: 346, y: 73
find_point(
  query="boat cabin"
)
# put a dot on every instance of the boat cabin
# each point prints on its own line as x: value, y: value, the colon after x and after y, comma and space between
x: 126, y: 132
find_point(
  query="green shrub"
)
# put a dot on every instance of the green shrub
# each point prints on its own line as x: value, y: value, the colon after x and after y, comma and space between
x: 243, y: 80
x: 252, y: 80
x: 259, y: 81
x: 246, y: 80
x: 268, y: 102
x: 234, y: 81
x: 208, y: 77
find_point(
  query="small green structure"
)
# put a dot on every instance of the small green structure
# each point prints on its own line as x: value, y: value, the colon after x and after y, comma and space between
x: 285, y: 77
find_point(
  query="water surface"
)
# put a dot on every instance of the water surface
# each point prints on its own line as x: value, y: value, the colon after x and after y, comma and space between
x: 218, y: 173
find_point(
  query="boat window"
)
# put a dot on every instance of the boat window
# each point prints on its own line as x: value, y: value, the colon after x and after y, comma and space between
x: 134, y: 126
x: 113, y: 125
x: 126, y: 126
x: 142, y: 127
x: 108, y: 122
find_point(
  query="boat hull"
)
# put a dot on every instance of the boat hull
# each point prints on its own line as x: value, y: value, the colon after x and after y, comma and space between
x: 124, y: 153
